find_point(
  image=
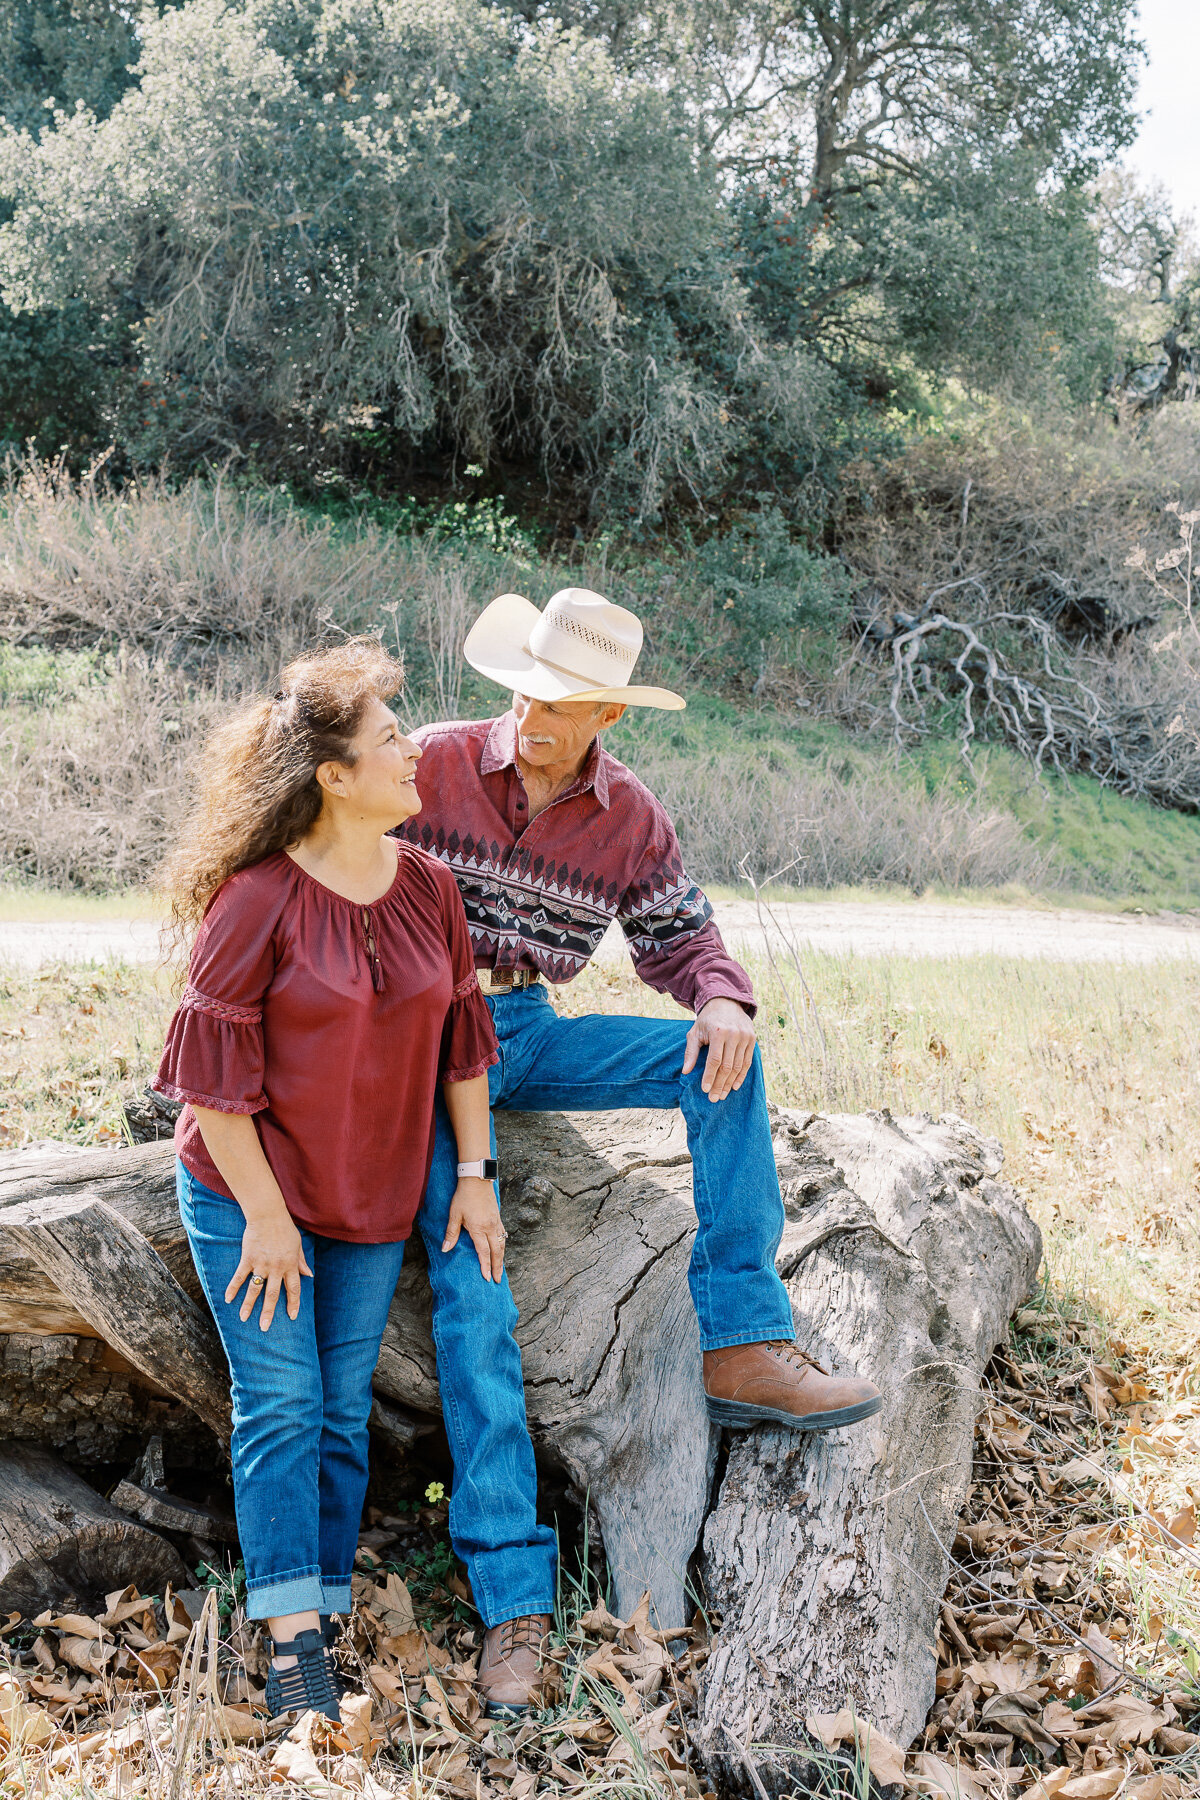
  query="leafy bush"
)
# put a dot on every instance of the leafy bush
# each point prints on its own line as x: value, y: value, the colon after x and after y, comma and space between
x: 769, y: 585
x: 344, y: 233
x: 340, y: 219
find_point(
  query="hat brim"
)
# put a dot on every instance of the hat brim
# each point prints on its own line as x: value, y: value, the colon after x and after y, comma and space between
x: 495, y: 647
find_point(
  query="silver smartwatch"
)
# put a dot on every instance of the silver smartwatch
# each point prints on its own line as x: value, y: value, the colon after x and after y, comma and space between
x: 486, y: 1169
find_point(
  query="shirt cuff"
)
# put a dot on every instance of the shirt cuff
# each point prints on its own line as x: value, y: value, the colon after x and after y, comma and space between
x: 719, y: 990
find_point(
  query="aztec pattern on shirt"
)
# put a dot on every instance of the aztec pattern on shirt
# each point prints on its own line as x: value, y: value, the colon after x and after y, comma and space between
x: 517, y: 900
x: 541, y: 893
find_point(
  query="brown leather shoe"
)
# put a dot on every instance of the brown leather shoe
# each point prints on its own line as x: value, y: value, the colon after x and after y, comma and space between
x: 779, y: 1384
x: 510, y: 1665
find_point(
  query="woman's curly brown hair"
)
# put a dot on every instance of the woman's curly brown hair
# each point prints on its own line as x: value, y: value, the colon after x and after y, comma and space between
x: 257, y: 784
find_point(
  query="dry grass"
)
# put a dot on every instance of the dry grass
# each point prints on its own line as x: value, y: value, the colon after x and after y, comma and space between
x: 1073, y: 1604
x: 1039, y: 511
x: 831, y: 825
x: 1089, y: 1074
x: 197, y: 572
x: 969, y: 536
x: 129, y: 622
x: 75, y: 1043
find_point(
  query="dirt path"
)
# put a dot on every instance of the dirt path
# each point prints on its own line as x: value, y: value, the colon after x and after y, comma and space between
x: 843, y: 927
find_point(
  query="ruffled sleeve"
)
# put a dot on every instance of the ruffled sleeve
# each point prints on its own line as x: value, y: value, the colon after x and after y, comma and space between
x: 214, y: 1050
x: 469, y: 1045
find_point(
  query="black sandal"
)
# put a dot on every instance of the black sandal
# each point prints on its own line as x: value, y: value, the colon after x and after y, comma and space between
x: 310, y: 1684
x: 331, y: 1633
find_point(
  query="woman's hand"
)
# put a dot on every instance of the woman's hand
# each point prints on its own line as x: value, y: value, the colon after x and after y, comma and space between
x: 474, y: 1207
x: 272, y: 1257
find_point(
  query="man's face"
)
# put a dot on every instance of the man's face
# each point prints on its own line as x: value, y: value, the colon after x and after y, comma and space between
x: 559, y: 732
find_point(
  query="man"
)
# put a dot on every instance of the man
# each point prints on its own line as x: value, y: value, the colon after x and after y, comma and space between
x: 550, y: 839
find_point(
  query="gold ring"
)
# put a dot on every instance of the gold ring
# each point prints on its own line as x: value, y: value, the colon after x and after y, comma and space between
x: 257, y: 1280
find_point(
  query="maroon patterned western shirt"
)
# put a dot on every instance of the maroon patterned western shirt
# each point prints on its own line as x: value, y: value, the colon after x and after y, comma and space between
x: 542, y: 894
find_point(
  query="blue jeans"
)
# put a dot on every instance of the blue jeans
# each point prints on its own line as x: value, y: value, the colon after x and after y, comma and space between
x: 594, y: 1064
x: 301, y: 1398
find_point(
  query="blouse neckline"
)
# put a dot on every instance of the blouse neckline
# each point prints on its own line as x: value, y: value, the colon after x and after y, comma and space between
x: 333, y: 894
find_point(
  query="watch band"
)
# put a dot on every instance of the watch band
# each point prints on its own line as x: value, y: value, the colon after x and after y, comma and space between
x: 487, y: 1168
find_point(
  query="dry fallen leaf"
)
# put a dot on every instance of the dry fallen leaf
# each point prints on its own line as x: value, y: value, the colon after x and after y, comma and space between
x: 884, y: 1759
x: 124, y: 1603
x: 601, y: 1623
x: 23, y: 1725
x: 356, y: 1724
x: 1017, y: 1713
x: 1099, y: 1785
x: 1050, y: 1785
x: 1155, y: 1787
x: 1082, y: 1468
x: 1175, y: 1742
x: 946, y: 1781
x: 87, y: 1653
x: 74, y: 1624
x: 1183, y: 1526
x: 393, y: 1603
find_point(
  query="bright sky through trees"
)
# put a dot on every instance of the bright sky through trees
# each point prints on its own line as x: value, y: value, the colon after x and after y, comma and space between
x: 1168, y: 147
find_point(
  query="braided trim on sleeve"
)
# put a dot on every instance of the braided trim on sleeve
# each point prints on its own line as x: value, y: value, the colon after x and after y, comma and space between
x: 469, y: 984
x: 212, y: 1102
x: 195, y: 1001
x: 479, y: 1068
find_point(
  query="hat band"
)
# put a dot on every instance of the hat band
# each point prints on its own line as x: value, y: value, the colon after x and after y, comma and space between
x: 571, y: 674
x: 565, y: 621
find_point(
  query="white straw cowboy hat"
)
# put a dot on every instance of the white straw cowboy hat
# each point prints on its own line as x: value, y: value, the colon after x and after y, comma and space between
x: 581, y: 648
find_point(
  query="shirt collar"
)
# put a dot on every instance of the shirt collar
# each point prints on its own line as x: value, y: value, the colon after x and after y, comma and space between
x: 500, y: 752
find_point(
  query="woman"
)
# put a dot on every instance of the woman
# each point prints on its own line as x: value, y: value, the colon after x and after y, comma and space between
x: 331, y: 989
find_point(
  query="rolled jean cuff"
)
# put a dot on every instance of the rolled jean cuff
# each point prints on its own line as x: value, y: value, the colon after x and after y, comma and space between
x: 293, y: 1591
x: 335, y: 1590
x: 518, y: 1609
x: 774, y: 1333
x: 513, y: 1582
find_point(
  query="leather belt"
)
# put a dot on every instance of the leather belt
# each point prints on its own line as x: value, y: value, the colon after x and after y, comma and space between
x: 503, y: 981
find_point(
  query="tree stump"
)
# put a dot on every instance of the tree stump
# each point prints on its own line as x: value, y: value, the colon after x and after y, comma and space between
x: 62, y: 1546
x: 823, y: 1556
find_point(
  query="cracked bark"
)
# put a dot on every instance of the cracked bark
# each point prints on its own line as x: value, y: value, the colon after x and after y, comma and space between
x: 904, y: 1257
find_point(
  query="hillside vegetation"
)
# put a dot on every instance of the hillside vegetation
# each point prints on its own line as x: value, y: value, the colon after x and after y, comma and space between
x: 131, y: 619
x: 833, y: 339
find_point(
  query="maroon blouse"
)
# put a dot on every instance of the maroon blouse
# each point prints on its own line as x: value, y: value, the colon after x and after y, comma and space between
x: 333, y: 1023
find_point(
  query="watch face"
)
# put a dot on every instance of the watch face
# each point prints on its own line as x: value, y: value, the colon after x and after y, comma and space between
x: 491, y: 1168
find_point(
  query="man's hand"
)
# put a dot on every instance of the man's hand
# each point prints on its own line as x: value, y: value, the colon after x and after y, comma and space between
x: 474, y: 1207
x: 729, y: 1033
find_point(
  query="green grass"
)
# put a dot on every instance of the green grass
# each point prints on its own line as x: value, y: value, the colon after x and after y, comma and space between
x: 1106, y: 843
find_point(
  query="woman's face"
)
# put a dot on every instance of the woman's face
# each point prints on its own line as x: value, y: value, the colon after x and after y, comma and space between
x: 382, y: 783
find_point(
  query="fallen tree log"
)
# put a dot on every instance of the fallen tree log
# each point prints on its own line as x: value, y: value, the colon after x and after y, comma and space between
x: 61, y: 1545
x: 126, y: 1293
x: 79, y: 1396
x: 904, y: 1258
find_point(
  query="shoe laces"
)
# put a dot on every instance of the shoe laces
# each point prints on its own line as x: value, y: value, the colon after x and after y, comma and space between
x: 525, y: 1633
x: 792, y: 1353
